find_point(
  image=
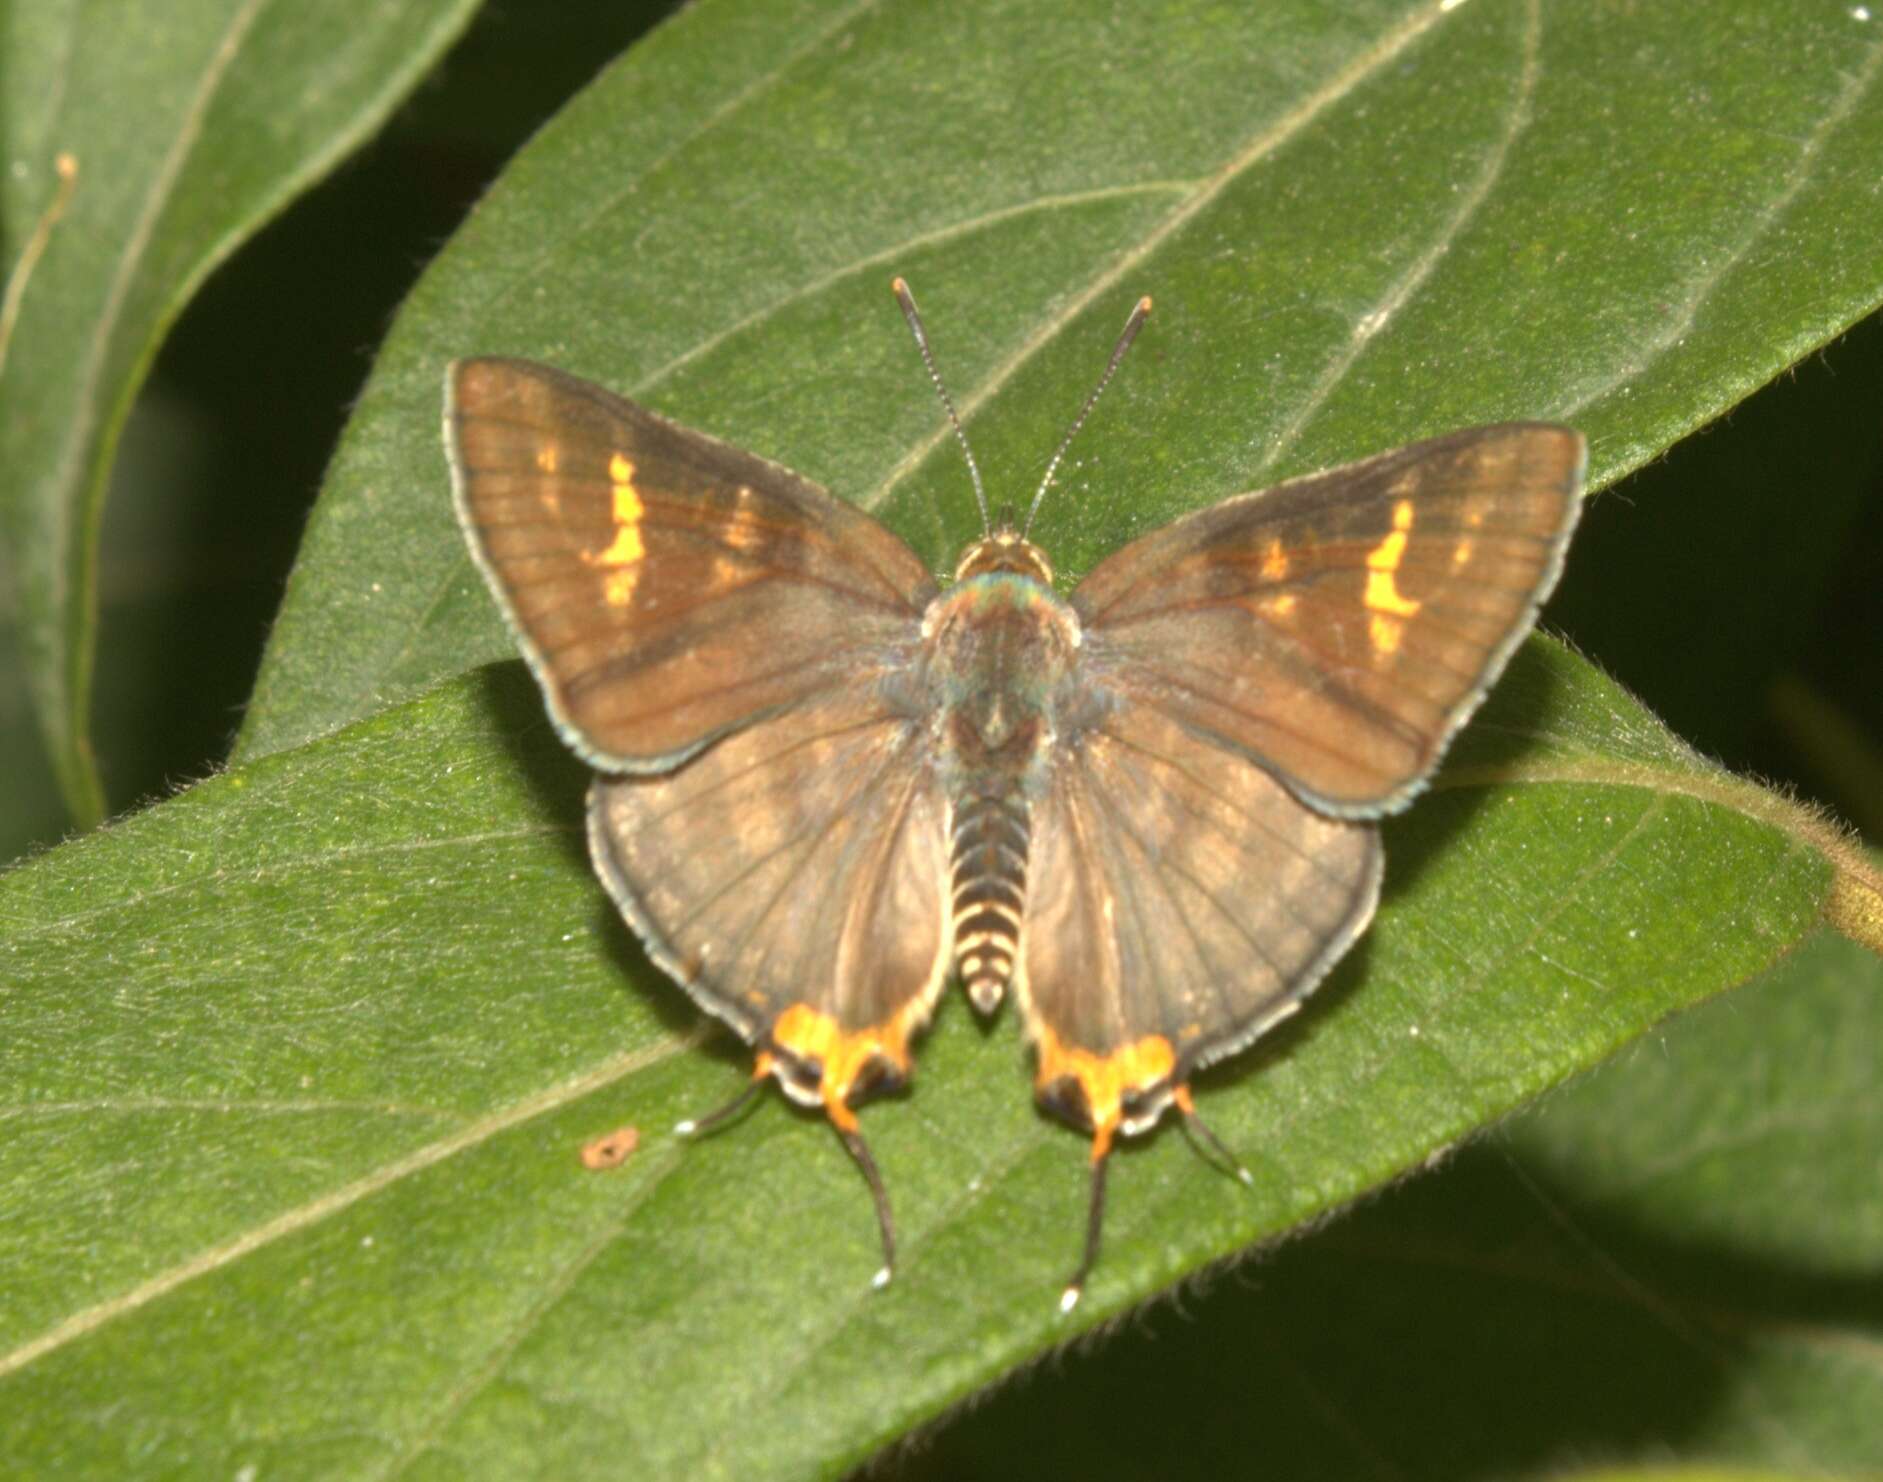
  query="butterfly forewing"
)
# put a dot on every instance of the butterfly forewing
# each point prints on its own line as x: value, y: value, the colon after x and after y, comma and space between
x: 1338, y: 629
x: 667, y: 587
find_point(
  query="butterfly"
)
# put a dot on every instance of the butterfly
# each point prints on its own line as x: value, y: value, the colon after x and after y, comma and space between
x: 829, y: 783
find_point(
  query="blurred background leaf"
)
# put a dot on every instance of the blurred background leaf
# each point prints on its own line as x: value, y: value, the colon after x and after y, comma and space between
x: 1713, y: 161
x: 143, y: 145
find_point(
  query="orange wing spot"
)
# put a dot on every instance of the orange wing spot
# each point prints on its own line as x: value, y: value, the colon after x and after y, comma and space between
x: 627, y: 548
x: 1274, y: 561
x: 549, y: 458
x: 618, y: 589
x: 628, y: 511
x: 1281, y: 606
x: 743, y: 533
x: 1105, y: 1078
x: 1461, y: 553
x: 1384, y: 633
x: 1383, y: 592
x: 808, y: 1035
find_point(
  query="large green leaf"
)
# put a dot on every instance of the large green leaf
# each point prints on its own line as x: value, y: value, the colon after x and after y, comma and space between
x: 301, y: 1062
x: 1361, y: 223
x: 143, y: 143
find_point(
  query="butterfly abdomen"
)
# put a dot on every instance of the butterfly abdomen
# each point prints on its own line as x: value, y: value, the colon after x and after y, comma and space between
x: 1001, y: 645
x: 988, y: 866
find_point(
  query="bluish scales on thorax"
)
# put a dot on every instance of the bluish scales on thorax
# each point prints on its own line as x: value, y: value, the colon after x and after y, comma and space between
x: 1001, y: 650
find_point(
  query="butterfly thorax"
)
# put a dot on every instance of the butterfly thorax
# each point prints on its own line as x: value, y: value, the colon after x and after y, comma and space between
x: 1001, y: 647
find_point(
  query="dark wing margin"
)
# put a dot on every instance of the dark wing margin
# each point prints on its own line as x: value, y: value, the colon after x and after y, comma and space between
x: 1338, y: 629
x: 665, y: 587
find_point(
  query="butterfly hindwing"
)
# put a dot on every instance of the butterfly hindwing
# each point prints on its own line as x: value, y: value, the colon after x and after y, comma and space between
x: 1271, y: 674
x: 1182, y: 902
x: 793, y: 879
x: 1338, y: 629
x: 667, y: 588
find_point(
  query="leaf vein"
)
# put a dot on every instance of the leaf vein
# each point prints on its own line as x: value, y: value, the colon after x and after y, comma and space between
x: 291, y: 1222
x: 1367, y: 327
x: 1356, y: 72
x: 1758, y: 224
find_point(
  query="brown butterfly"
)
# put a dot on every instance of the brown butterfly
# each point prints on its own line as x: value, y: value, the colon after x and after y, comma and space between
x: 831, y: 783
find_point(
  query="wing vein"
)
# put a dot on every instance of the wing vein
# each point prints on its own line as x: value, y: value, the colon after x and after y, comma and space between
x: 1210, y: 974
x: 720, y: 784
x: 1203, y: 890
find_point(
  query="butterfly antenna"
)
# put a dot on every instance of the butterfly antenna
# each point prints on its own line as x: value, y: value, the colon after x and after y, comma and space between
x: 909, y: 312
x: 1132, y: 326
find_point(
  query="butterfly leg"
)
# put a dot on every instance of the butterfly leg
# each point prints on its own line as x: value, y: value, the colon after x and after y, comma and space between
x: 1200, y: 1131
x: 820, y: 1063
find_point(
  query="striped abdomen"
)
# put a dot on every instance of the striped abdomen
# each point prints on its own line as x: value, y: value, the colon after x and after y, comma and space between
x: 989, y: 868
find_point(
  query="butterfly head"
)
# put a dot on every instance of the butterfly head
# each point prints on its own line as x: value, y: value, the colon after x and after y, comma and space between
x: 1005, y: 549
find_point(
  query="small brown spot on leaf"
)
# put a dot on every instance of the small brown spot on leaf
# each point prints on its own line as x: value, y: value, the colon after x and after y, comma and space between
x: 611, y: 1150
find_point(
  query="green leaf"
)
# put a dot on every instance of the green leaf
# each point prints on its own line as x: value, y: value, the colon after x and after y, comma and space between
x: 142, y: 146
x: 1364, y: 223
x: 301, y: 1063
x: 1673, y: 1259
